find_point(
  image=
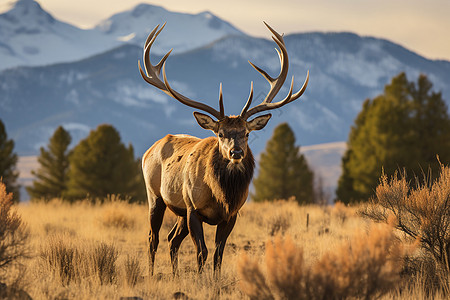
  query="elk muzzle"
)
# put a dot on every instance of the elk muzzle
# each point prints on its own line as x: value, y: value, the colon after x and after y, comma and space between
x: 236, y: 155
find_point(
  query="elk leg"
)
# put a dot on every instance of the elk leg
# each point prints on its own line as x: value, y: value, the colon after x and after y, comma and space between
x: 195, y: 226
x: 222, y: 232
x: 156, y: 214
x: 175, y: 237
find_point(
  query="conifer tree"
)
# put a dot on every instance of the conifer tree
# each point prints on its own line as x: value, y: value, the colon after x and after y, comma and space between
x: 51, y: 177
x: 405, y: 128
x: 101, y: 165
x: 8, y: 162
x: 283, y: 170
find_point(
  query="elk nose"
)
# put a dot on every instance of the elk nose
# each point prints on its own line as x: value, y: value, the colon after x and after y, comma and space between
x: 236, y: 153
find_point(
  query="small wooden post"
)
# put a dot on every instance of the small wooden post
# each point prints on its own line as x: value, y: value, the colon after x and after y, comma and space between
x: 307, y: 221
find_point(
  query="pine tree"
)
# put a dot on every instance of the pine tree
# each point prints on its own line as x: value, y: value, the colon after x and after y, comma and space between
x: 101, y: 165
x: 431, y: 125
x: 405, y: 128
x: 51, y: 177
x: 283, y: 171
x: 8, y: 162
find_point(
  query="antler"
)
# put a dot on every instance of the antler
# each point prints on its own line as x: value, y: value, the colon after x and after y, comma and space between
x: 275, y: 83
x: 152, y: 76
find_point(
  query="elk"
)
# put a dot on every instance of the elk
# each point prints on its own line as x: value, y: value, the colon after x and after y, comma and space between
x: 204, y: 180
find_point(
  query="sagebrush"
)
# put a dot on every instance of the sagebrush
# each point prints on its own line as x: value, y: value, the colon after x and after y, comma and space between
x: 367, y: 266
x: 13, y: 239
x: 422, y: 210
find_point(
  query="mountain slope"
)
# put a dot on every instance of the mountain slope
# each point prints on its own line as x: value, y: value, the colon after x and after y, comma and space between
x: 345, y: 69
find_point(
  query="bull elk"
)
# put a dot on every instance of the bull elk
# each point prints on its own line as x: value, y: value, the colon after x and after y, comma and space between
x: 204, y: 180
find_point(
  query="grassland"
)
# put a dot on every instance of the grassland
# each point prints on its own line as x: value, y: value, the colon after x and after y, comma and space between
x: 93, y: 251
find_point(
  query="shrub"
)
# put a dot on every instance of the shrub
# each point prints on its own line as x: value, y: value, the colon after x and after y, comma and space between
x: 13, y: 237
x: 104, y: 259
x: 422, y: 212
x: 115, y: 216
x: 341, y: 212
x: 279, y: 223
x: 60, y: 258
x: 365, y: 267
x: 133, y: 270
x: 73, y: 261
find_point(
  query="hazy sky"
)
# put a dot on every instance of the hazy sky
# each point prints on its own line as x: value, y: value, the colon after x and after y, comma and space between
x: 420, y: 25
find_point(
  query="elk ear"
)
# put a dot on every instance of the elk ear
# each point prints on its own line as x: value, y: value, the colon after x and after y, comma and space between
x: 258, y: 123
x: 206, y: 121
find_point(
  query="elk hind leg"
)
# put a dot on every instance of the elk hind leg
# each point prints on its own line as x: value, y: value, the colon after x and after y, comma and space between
x: 175, y: 237
x: 156, y: 215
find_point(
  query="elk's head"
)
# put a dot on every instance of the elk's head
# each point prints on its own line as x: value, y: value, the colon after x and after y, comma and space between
x: 232, y: 131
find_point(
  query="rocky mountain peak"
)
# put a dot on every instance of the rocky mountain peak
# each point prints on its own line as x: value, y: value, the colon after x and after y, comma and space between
x: 28, y: 13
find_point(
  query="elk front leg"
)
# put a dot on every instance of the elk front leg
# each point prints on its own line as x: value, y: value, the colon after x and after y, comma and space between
x: 175, y: 237
x: 195, y: 226
x: 156, y: 215
x: 222, y: 232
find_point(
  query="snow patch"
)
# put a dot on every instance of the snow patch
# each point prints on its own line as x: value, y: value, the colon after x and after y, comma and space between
x: 207, y: 15
x: 73, y: 97
x: 127, y: 38
x: 130, y: 94
x: 73, y: 76
x: 315, y: 118
x: 360, y: 66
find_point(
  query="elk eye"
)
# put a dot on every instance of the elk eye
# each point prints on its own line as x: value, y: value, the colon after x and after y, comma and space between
x: 220, y: 135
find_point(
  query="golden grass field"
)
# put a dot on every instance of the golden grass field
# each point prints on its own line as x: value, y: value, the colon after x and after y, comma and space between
x: 120, y: 230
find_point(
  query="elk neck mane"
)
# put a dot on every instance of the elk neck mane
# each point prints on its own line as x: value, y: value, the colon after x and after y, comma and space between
x: 232, y: 181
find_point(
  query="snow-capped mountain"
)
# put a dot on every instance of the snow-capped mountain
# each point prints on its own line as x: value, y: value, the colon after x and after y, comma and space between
x: 30, y: 36
x: 183, y: 31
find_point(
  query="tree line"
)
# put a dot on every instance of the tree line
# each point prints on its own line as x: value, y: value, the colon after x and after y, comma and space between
x: 406, y: 129
x: 100, y: 165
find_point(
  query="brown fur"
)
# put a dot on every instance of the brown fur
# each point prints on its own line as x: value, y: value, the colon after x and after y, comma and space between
x: 190, y: 174
x: 233, y: 180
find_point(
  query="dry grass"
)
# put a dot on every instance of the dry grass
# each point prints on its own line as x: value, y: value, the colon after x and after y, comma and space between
x: 79, y: 253
x: 115, y: 217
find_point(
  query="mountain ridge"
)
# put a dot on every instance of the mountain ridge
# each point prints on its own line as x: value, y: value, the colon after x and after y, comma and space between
x: 29, y: 35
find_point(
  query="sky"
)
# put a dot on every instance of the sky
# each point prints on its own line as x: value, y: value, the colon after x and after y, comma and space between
x: 419, y: 25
